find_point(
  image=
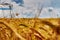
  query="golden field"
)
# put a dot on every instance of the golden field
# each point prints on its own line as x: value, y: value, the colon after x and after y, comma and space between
x: 29, y: 29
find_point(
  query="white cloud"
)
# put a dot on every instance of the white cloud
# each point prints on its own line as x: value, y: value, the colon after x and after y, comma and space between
x: 30, y: 9
x: 5, y: 1
x: 35, y: 3
x: 46, y: 14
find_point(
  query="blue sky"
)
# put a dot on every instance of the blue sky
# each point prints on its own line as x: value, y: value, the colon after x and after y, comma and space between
x: 20, y: 2
x: 5, y: 9
x: 56, y: 3
x: 53, y: 3
x: 30, y: 7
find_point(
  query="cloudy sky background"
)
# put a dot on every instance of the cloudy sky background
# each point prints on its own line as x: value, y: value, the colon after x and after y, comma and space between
x: 29, y: 8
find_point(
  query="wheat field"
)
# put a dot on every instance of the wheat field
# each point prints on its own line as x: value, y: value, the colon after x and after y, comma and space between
x: 29, y: 29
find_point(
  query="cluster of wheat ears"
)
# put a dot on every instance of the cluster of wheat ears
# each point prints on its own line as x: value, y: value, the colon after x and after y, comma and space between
x: 29, y: 29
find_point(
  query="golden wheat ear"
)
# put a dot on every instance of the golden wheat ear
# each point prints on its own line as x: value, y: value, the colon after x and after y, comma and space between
x: 7, y: 32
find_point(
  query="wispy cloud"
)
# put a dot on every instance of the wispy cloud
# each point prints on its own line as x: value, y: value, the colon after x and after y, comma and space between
x: 47, y: 14
x: 30, y: 8
x: 37, y: 3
